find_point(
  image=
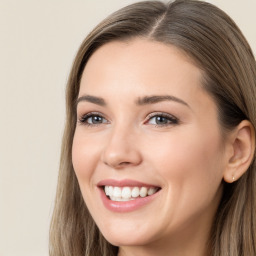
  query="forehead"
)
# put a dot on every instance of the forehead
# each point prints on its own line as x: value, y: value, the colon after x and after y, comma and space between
x: 136, y: 62
x: 141, y: 67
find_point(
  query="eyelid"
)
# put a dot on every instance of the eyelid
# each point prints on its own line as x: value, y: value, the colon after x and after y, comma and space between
x: 91, y: 114
x: 82, y: 119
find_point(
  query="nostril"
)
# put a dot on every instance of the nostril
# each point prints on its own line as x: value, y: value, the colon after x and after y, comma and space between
x: 124, y: 163
x: 117, y: 165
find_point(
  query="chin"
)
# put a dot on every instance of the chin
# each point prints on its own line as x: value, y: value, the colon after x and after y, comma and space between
x: 125, y: 240
x: 127, y: 236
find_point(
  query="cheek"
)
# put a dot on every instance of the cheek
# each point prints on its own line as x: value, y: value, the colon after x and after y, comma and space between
x: 191, y: 169
x: 188, y: 161
x: 85, y: 158
x: 85, y: 155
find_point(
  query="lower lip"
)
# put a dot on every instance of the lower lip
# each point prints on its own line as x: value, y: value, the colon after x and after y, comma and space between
x: 127, y: 206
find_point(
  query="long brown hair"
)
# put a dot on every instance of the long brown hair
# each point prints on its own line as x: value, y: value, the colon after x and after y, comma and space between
x: 218, y: 48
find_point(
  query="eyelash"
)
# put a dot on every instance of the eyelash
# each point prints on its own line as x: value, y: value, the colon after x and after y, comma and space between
x: 84, y: 119
x: 171, y: 120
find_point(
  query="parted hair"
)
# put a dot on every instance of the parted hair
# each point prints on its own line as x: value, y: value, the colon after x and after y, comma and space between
x: 216, y: 45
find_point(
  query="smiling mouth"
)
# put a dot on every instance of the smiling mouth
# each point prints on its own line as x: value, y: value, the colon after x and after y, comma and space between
x: 115, y: 193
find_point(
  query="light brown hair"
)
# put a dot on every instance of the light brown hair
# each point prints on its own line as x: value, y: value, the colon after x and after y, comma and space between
x: 219, y: 49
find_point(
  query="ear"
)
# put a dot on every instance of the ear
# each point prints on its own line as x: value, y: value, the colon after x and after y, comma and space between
x: 243, y: 147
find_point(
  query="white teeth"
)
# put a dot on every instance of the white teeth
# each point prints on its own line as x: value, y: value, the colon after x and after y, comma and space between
x: 110, y: 190
x: 106, y: 188
x: 117, y: 192
x: 143, y: 192
x: 152, y: 191
x: 128, y: 193
x: 135, y: 192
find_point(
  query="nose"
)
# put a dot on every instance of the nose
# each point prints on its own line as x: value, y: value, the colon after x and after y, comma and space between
x: 121, y: 149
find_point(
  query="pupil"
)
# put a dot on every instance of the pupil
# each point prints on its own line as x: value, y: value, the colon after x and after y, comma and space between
x: 97, y: 119
x: 161, y: 120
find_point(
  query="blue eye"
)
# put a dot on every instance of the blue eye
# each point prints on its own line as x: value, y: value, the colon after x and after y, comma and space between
x: 92, y: 119
x: 162, y: 119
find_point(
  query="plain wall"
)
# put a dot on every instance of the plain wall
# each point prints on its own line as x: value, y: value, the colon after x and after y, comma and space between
x: 38, y: 41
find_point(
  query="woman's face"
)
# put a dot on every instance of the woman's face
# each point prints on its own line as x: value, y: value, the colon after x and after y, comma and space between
x: 148, y: 134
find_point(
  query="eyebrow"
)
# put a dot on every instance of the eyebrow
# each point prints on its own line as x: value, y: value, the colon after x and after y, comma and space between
x: 140, y: 101
x: 159, y: 98
x: 92, y: 99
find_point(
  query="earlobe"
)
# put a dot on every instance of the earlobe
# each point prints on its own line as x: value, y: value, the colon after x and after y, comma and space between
x: 243, y: 147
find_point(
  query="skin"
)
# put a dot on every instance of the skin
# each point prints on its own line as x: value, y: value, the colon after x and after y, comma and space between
x: 187, y: 159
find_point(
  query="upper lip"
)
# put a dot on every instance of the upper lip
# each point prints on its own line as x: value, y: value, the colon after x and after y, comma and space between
x: 124, y: 183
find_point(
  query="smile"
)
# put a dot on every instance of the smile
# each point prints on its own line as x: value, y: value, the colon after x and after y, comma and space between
x: 128, y: 193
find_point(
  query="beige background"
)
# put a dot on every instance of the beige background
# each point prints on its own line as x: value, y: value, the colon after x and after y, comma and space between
x: 38, y: 40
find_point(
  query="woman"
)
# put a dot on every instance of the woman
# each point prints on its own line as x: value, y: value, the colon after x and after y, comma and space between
x: 158, y: 154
